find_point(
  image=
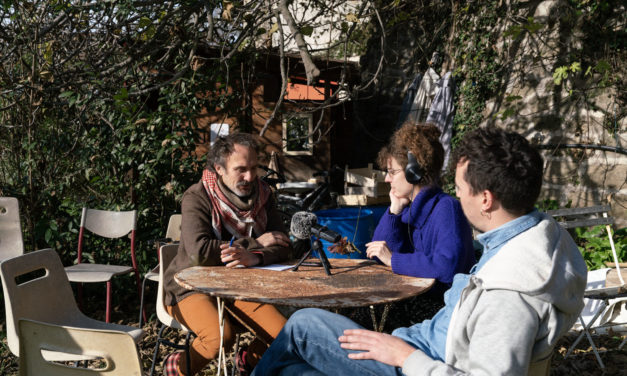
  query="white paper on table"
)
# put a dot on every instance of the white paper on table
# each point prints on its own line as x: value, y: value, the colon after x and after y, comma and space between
x: 277, y: 267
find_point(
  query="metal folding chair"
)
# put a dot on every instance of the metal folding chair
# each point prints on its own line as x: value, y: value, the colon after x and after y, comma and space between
x: 108, y: 224
x: 581, y: 217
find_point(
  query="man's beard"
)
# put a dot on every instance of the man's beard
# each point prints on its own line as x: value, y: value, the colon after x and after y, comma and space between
x: 244, y: 189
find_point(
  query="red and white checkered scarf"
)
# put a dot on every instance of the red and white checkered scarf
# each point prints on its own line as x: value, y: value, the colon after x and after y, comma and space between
x: 235, y: 220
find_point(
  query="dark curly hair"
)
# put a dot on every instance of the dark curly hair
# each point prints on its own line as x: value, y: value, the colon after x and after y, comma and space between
x: 505, y: 164
x: 225, y: 145
x: 424, y: 142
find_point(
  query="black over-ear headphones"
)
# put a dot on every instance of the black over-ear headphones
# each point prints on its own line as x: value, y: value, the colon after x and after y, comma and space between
x: 413, y: 171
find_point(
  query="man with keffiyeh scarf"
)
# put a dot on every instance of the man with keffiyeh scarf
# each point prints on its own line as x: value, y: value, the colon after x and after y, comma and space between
x: 229, y: 202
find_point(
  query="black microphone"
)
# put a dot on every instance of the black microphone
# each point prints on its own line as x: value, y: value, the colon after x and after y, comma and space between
x: 305, y: 224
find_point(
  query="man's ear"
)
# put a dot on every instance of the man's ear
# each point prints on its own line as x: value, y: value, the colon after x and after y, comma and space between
x: 487, y: 201
x: 219, y: 169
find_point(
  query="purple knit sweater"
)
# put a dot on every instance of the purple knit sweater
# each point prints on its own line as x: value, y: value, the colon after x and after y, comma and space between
x: 441, y: 239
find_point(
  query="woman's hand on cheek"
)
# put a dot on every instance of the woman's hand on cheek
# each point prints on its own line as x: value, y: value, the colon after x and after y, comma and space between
x: 397, y: 203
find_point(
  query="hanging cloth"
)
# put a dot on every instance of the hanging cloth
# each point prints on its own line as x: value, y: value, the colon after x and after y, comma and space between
x: 424, y: 96
x: 410, y: 94
x: 442, y: 112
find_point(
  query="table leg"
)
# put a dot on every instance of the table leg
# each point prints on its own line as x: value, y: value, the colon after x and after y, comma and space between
x: 384, y: 316
x: 222, y: 352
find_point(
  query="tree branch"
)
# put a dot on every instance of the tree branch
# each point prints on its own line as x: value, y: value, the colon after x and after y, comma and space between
x: 283, y: 80
x: 311, y: 70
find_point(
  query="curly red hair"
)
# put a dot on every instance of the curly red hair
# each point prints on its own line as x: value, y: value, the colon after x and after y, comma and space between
x: 423, y: 140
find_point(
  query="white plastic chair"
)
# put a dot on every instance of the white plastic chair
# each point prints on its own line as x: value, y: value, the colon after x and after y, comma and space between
x: 36, y: 288
x: 115, y: 351
x: 580, y: 217
x: 11, y: 243
x: 166, y: 254
x: 108, y: 224
x: 172, y: 235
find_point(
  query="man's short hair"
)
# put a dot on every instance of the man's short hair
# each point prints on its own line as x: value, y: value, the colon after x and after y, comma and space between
x: 503, y: 163
x: 224, y: 146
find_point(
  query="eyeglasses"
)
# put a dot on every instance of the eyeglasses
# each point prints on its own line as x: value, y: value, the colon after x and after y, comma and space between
x: 393, y: 171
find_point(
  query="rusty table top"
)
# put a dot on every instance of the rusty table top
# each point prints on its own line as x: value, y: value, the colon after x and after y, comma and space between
x: 353, y: 283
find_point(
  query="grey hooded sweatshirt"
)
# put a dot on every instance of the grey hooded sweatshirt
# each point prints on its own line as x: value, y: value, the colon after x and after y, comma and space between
x: 514, y: 309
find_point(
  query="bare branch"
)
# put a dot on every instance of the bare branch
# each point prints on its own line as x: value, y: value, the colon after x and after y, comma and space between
x: 380, y: 66
x: 283, y: 80
x: 311, y: 70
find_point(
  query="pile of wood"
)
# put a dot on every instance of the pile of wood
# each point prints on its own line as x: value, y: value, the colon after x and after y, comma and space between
x: 364, y: 186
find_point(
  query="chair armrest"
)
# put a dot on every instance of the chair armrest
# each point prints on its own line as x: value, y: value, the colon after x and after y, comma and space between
x: 606, y: 292
x: 611, y: 264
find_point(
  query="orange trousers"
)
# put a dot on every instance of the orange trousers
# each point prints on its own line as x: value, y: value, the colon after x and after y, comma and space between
x: 199, y: 313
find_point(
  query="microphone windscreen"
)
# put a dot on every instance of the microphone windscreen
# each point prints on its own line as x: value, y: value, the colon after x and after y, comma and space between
x: 301, y: 224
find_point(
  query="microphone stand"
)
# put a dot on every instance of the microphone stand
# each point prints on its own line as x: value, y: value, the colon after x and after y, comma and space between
x: 316, y: 246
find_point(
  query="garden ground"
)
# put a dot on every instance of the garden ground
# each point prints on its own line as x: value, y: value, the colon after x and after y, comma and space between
x: 582, y: 363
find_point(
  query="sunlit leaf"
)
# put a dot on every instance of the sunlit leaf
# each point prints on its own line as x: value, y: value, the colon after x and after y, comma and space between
x: 144, y: 21
x: 352, y: 17
x: 66, y: 94
x: 602, y: 66
x: 121, y: 95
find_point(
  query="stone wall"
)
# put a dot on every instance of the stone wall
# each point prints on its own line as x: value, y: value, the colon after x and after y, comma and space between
x: 530, y: 41
x: 570, y: 113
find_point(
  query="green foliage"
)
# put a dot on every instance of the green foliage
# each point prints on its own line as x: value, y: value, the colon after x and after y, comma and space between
x: 593, y: 242
x: 480, y: 68
x: 599, y: 53
x: 561, y: 73
x: 103, y: 120
x: 518, y: 30
x: 550, y: 204
x: 307, y: 30
x: 102, y: 102
x: 591, y: 6
x: 595, y: 247
x: 358, y: 33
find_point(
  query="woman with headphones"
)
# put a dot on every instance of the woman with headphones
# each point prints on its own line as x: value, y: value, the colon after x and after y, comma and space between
x: 424, y: 233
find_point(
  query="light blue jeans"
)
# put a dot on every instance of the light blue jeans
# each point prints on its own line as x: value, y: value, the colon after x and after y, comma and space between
x: 308, y: 345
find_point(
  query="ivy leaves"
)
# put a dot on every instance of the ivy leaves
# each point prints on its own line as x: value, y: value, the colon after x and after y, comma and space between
x: 561, y: 73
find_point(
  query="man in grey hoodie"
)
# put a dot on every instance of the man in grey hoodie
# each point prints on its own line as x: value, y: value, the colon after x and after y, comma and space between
x: 502, y: 318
